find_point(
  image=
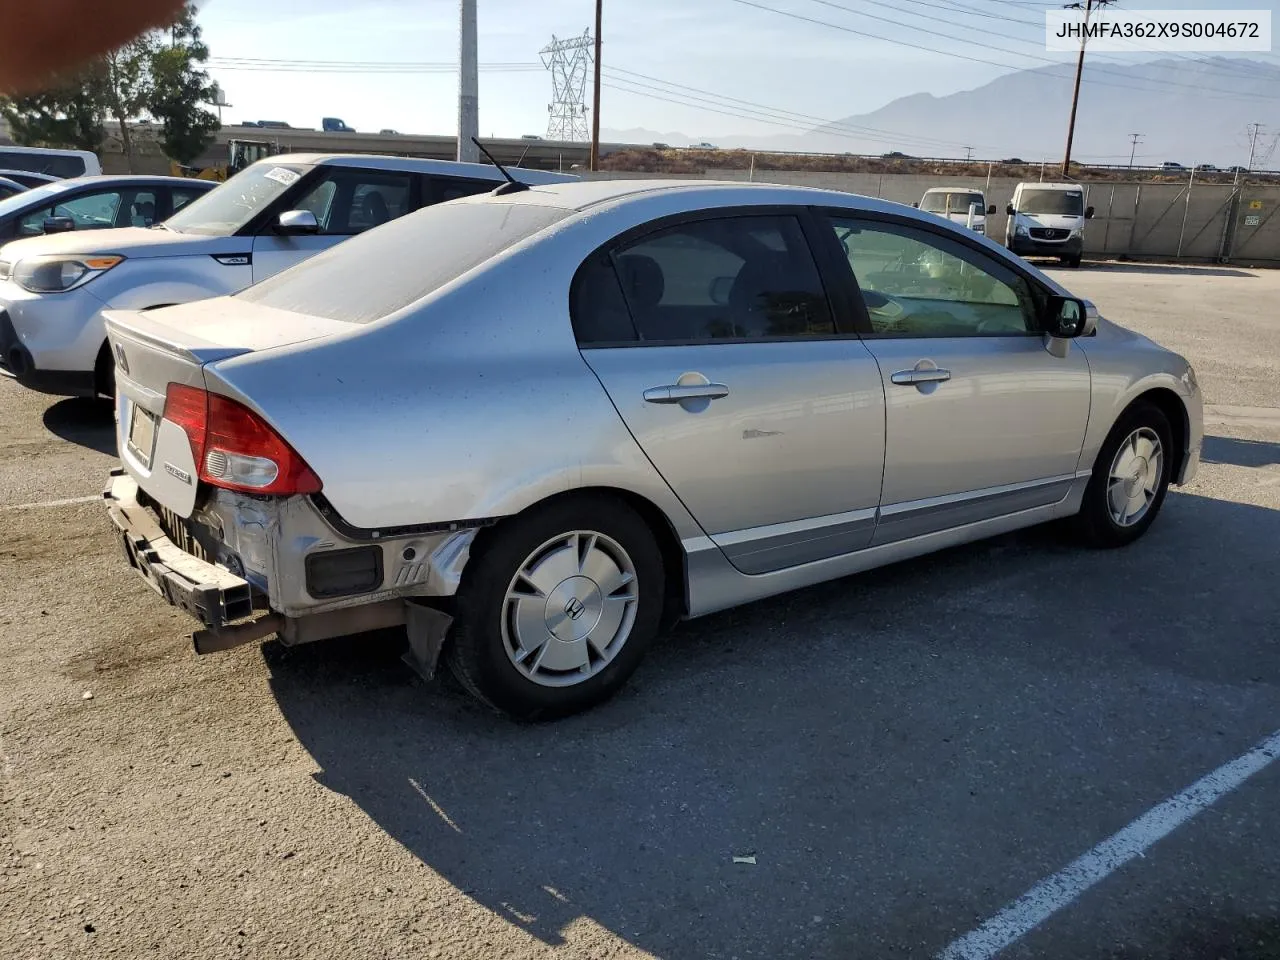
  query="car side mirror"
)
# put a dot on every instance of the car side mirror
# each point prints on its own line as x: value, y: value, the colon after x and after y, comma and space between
x: 991, y: 209
x: 916, y: 205
x: 297, y: 223
x: 1009, y: 211
x: 58, y: 225
x: 1088, y: 213
x: 1067, y: 317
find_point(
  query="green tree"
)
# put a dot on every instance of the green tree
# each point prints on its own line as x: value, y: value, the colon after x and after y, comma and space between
x: 179, y: 88
x: 128, y: 86
x: 67, y: 115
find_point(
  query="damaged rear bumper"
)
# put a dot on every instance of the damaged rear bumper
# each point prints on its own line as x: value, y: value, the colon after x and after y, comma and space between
x: 235, y: 609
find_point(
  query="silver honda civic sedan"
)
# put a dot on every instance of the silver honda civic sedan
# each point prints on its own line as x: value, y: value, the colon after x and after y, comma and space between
x: 537, y: 425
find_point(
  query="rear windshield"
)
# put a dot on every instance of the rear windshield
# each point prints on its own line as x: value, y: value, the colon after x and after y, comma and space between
x: 378, y: 272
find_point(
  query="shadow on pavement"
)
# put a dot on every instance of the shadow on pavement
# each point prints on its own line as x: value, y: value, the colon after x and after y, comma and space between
x: 903, y: 752
x: 1200, y: 936
x: 1241, y: 453
x: 88, y: 423
x: 1180, y: 270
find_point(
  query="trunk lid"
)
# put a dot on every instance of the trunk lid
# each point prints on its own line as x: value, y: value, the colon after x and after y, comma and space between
x: 155, y: 348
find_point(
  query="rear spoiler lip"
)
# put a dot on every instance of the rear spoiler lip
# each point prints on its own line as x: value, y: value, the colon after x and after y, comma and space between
x: 136, y: 325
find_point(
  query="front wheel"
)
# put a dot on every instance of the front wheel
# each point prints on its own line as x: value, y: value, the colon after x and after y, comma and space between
x: 557, y: 608
x: 1130, y: 479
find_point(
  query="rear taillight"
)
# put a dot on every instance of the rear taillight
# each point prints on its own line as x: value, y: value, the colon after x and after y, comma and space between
x: 233, y: 447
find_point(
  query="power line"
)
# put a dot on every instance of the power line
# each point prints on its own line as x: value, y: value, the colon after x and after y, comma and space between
x: 1029, y: 56
x: 952, y: 6
x: 359, y: 66
x: 789, y: 115
x: 1235, y: 95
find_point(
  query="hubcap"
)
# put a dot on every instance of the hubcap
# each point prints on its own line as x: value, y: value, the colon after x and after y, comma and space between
x: 569, y: 609
x: 1135, y: 476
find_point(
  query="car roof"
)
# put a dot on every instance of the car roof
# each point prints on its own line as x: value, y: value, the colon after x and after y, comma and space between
x: 109, y: 179
x: 954, y: 190
x: 452, y: 168
x: 1033, y: 185
x: 48, y: 177
x: 584, y: 194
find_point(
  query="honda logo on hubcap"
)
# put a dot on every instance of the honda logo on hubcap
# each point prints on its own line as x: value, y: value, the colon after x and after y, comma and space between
x: 574, y: 608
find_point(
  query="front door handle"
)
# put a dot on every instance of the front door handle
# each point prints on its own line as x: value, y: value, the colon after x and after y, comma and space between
x: 676, y: 392
x: 911, y: 378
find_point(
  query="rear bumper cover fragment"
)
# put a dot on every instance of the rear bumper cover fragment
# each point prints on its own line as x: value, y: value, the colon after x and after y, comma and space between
x: 212, y: 594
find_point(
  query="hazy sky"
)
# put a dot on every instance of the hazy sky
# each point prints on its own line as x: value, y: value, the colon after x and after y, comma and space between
x: 725, y: 48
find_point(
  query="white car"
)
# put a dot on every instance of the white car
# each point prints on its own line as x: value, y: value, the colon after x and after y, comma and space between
x: 273, y: 214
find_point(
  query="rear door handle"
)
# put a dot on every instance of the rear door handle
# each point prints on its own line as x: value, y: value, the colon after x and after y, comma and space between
x: 910, y: 378
x: 675, y: 392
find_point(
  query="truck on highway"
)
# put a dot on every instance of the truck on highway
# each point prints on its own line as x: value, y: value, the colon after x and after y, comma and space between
x: 334, y: 125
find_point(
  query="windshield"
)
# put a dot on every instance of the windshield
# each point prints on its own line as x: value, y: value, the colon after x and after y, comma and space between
x: 378, y: 272
x: 228, y: 208
x: 955, y: 202
x: 21, y: 201
x: 1069, y: 202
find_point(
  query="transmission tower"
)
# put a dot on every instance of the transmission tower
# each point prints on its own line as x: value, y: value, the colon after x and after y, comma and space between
x: 569, y: 62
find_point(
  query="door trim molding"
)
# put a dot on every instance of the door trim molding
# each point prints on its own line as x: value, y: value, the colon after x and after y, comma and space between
x: 776, y: 546
x: 914, y: 518
x: 787, y: 544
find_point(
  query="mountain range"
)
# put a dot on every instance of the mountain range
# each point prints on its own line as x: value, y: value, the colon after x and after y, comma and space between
x: 1187, y: 110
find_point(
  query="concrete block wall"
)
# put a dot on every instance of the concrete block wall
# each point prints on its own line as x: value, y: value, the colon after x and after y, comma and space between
x: 1133, y: 220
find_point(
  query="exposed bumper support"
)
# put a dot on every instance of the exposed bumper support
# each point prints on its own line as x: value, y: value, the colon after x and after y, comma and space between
x: 213, y: 595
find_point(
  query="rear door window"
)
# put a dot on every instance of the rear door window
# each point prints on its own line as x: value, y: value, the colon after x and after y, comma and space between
x: 730, y: 278
x: 347, y: 201
x: 442, y: 189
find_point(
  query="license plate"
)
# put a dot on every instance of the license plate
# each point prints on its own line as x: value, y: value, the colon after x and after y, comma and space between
x: 142, y: 434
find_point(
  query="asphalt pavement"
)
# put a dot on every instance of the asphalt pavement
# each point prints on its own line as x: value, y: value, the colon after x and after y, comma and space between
x: 873, y: 767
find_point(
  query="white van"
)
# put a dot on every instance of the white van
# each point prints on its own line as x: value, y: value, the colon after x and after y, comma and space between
x: 959, y: 205
x: 1047, y: 220
x: 62, y: 164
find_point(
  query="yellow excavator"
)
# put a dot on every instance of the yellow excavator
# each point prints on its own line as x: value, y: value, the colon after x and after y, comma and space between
x: 240, y: 153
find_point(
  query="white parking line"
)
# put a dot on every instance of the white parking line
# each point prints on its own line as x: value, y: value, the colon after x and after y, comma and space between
x: 54, y: 503
x: 1060, y: 890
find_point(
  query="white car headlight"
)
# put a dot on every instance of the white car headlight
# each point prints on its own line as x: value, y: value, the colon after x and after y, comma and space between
x: 1020, y: 230
x: 55, y: 274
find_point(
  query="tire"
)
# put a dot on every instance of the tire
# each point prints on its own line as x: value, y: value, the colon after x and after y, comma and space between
x: 510, y: 598
x: 1074, y: 263
x: 1097, y: 522
x: 104, y: 374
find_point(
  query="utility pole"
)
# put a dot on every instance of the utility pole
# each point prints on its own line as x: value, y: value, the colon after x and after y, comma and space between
x: 595, y: 107
x: 968, y: 154
x: 1256, y: 128
x: 1075, y: 95
x: 468, y: 84
x: 1135, y: 139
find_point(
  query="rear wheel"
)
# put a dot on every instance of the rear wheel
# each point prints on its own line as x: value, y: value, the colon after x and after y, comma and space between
x: 1130, y: 479
x: 557, y: 608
